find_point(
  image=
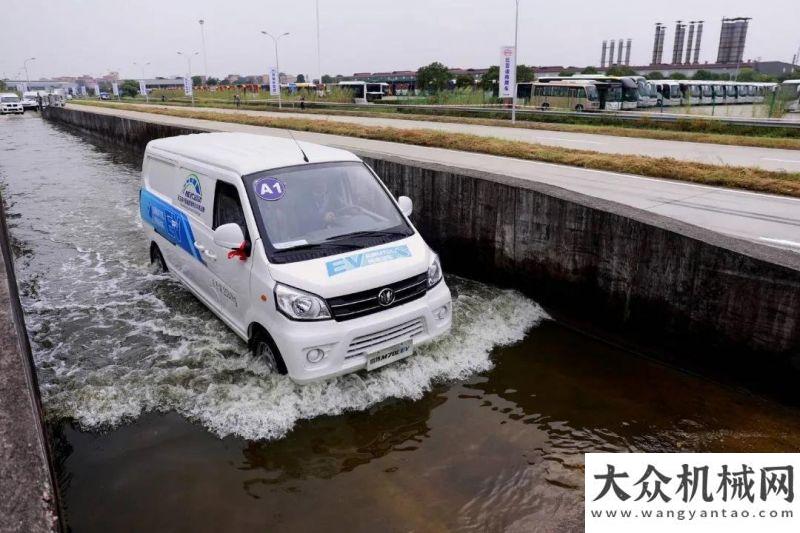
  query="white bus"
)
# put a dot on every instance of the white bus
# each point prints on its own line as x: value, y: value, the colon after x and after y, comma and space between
x: 789, y: 94
x: 668, y: 93
x: 572, y: 95
x: 364, y: 92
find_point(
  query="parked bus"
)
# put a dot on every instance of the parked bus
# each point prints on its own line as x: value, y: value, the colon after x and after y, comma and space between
x: 646, y: 96
x: 691, y: 93
x: 789, y: 94
x: 364, y: 92
x: 573, y: 95
x: 614, y: 93
x: 668, y: 93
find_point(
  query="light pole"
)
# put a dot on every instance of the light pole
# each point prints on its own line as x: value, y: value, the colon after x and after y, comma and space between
x: 188, y: 57
x: 277, y: 61
x: 146, y: 96
x: 319, y: 55
x: 25, y: 66
x: 514, y: 96
x: 203, y: 39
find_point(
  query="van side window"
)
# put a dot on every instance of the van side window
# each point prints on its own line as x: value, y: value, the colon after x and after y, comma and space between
x: 228, y: 207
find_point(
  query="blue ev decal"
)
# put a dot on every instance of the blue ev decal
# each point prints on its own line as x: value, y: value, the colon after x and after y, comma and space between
x: 352, y: 262
x: 169, y: 222
x: 269, y: 189
x: 191, y: 195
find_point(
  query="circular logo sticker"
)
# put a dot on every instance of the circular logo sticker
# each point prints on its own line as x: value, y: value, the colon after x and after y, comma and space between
x: 269, y: 189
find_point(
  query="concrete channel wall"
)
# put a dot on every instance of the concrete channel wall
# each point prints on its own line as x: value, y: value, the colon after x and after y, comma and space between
x: 28, y: 491
x: 652, y: 283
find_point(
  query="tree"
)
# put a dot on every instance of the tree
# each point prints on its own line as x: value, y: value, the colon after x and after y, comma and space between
x: 525, y: 74
x: 678, y: 76
x: 620, y: 70
x: 655, y: 76
x: 301, y: 78
x: 589, y: 70
x: 129, y: 88
x: 212, y: 81
x: 197, y: 81
x: 464, y: 80
x: 490, y: 80
x: 566, y: 72
x: 433, y: 77
x: 326, y: 78
x: 2, y: 85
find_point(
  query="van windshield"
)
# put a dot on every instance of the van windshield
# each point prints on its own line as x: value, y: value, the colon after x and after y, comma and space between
x: 9, y: 99
x: 328, y: 207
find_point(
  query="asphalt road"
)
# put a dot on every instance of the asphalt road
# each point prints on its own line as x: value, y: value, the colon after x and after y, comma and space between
x: 715, y: 154
x: 764, y: 218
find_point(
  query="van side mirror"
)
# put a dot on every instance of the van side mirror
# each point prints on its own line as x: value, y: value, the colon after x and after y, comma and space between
x: 406, y: 205
x: 228, y: 236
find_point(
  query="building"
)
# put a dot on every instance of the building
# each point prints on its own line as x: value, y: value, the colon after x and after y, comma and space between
x: 732, y: 38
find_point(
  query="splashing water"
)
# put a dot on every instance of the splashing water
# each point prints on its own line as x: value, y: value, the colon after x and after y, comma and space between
x: 113, y: 340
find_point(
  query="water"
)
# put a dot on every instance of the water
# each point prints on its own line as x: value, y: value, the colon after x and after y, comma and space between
x: 161, y: 418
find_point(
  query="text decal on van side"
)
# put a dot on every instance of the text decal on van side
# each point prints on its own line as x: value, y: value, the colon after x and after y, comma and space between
x: 352, y: 262
x: 191, y: 195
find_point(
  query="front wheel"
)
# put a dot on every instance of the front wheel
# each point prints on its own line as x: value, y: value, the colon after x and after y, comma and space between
x: 264, y: 348
x: 157, y: 259
x: 579, y: 108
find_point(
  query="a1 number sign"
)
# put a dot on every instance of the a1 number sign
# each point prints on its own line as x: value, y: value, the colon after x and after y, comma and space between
x: 269, y: 189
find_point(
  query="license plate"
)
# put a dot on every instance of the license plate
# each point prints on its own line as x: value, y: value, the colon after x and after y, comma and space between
x: 390, y: 355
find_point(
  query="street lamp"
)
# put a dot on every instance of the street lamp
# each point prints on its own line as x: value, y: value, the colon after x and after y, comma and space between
x: 319, y: 55
x: 203, y: 39
x: 277, y: 61
x: 25, y: 66
x: 514, y: 96
x: 146, y: 96
x: 188, y: 57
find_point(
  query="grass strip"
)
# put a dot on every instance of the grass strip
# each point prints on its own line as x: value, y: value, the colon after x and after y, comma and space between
x: 753, y: 179
x: 695, y: 129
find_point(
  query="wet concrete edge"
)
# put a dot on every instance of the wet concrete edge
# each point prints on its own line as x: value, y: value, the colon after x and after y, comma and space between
x: 28, y: 489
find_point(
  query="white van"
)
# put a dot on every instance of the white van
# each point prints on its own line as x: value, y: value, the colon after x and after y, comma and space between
x: 9, y: 103
x: 298, y: 248
x: 30, y: 99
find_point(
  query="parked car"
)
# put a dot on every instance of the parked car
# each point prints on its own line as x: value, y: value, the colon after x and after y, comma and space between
x: 299, y: 248
x: 10, y: 103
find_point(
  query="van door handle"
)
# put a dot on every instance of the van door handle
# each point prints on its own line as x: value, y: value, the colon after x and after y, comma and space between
x: 209, y: 254
x: 199, y: 246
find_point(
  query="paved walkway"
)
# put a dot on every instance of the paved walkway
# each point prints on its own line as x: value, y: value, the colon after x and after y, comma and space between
x: 715, y: 154
x: 763, y: 218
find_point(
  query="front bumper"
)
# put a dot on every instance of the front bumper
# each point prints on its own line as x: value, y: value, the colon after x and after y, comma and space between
x: 11, y: 108
x: 371, y: 333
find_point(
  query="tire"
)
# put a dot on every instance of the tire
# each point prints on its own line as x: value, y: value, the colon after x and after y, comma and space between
x: 545, y: 106
x: 263, y: 347
x: 157, y: 259
x: 579, y: 108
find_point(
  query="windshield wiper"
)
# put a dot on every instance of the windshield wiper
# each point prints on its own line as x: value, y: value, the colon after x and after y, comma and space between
x: 369, y: 233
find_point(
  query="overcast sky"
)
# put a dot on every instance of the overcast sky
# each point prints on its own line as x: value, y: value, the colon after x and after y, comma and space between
x: 73, y: 37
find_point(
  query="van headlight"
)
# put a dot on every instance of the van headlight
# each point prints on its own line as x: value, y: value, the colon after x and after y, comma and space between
x: 300, y: 305
x: 434, y: 271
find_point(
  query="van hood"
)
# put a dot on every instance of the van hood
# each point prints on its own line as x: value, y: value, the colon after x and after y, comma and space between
x: 357, y: 270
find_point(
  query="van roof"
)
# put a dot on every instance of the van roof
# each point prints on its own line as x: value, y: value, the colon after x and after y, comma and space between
x: 246, y: 153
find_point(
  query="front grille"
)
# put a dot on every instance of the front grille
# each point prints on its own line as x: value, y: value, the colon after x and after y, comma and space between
x: 365, y: 303
x: 387, y: 337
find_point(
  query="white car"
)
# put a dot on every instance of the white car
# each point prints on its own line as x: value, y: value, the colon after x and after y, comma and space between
x: 9, y: 103
x: 30, y: 99
x: 299, y: 248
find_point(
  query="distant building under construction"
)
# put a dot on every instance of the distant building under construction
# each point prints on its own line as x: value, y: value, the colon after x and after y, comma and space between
x: 732, y: 38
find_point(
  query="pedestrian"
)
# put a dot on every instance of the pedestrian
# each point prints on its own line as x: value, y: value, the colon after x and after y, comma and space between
x: 163, y: 98
x: 237, y: 100
x: 303, y: 102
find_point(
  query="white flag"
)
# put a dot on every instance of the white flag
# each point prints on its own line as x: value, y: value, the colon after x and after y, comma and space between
x: 97, y: 89
x: 274, y: 82
x: 187, y: 85
x: 142, y: 87
x: 115, y: 88
x: 508, y: 72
